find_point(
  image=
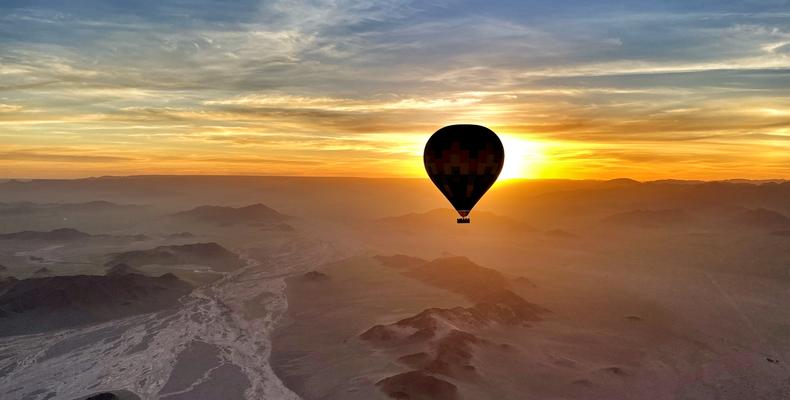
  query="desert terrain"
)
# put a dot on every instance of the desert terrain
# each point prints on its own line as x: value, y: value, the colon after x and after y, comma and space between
x: 159, y: 287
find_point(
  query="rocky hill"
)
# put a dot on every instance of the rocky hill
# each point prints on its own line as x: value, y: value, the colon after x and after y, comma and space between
x: 440, y: 343
x: 47, y: 303
x: 211, y: 254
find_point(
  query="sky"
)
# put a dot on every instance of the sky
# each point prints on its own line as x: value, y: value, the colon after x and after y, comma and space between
x: 577, y: 89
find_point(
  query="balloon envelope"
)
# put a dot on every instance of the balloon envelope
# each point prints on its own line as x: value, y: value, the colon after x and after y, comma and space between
x: 463, y: 161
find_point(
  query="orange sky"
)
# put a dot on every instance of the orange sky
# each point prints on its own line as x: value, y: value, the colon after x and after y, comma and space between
x: 342, y: 89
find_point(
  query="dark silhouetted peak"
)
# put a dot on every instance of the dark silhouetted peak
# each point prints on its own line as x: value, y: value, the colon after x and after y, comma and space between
x: 620, y: 182
x: 220, y: 215
x: 675, y: 182
x: 43, y: 271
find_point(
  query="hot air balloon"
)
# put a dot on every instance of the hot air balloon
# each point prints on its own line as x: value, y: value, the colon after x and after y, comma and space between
x: 463, y: 161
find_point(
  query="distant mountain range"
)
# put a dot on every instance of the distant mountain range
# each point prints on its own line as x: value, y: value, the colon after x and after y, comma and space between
x: 737, y: 218
x: 224, y: 216
x: 27, y: 208
x: 543, y: 203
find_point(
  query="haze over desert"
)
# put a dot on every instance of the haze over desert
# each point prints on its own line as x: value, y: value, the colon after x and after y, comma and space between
x: 407, y: 200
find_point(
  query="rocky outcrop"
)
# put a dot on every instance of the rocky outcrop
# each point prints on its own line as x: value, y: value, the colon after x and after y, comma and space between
x: 444, y: 337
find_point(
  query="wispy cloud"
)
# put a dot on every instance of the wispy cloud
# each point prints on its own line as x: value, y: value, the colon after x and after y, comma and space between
x: 296, y: 86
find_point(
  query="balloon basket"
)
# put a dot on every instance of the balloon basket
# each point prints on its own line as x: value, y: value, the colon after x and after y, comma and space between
x: 463, y: 220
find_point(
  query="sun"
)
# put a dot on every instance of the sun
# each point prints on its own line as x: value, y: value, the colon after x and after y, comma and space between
x: 521, y: 157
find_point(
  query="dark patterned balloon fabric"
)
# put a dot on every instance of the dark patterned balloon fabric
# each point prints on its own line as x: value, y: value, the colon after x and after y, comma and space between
x: 463, y: 161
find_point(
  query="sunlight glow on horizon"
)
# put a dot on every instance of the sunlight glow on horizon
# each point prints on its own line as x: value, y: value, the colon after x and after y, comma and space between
x: 331, y: 88
x: 522, y: 157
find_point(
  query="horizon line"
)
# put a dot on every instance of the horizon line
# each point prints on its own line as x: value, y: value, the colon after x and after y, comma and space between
x: 7, y: 180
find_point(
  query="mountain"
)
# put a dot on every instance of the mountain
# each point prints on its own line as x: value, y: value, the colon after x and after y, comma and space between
x: 26, y: 208
x: 568, y: 203
x: 440, y: 343
x: 760, y: 218
x: 223, y: 216
x: 43, y: 304
x: 211, y: 254
x: 505, y: 308
x: 649, y: 218
x: 65, y: 234
x: 62, y: 234
x: 455, y: 274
